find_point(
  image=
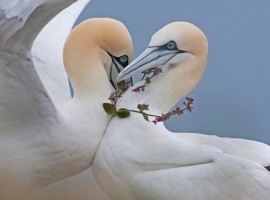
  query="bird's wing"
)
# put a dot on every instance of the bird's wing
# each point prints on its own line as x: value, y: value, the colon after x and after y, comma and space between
x: 13, y: 15
x: 225, y: 178
x: 255, y: 151
x: 176, y: 169
x: 23, y: 98
x: 47, y: 52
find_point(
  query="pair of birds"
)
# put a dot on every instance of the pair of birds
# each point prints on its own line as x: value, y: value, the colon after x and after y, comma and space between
x: 46, y: 136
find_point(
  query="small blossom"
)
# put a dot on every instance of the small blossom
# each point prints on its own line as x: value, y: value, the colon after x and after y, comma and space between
x: 142, y: 107
x: 157, y: 71
x: 188, y: 103
x: 124, y: 84
x: 154, y: 71
x: 147, y: 80
x: 161, y: 118
x: 178, y: 111
x: 136, y: 89
x: 115, y: 96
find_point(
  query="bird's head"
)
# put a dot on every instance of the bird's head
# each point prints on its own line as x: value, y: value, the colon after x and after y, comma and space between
x: 97, y: 42
x: 173, y: 45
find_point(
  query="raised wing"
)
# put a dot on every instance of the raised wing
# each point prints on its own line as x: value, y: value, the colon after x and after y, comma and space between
x: 13, y: 15
x: 47, y: 52
x: 23, y: 98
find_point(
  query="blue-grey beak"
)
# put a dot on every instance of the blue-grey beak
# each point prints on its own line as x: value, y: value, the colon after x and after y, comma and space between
x: 151, y: 57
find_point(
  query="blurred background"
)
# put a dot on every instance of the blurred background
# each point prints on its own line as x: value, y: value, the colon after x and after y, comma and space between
x: 232, y: 99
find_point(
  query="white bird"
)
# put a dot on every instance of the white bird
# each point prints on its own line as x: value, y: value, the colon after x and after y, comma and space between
x: 139, y: 160
x: 47, y: 53
x: 44, y: 139
x: 249, y: 149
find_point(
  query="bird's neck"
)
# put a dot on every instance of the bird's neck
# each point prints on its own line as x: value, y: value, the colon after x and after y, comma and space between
x: 91, y: 90
x: 85, y: 67
x: 83, y: 121
x: 90, y: 81
x: 165, y: 90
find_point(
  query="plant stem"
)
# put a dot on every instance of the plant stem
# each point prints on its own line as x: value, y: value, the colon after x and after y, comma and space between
x: 136, y: 111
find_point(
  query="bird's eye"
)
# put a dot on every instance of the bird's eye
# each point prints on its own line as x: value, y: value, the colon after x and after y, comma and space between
x: 171, y: 45
x: 123, y: 59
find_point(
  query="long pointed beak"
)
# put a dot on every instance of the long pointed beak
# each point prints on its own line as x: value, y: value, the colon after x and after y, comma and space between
x: 151, y: 57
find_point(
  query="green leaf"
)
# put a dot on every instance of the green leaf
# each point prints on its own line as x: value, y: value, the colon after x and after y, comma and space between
x: 109, y: 108
x: 145, y: 116
x: 123, y: 113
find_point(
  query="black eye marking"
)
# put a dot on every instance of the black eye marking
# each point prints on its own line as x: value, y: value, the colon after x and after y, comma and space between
x: 171, y: 45
x: 118, y: 63
x: 123, y: 60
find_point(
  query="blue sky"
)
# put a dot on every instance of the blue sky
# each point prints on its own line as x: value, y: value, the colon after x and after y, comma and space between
x: 232, y: 99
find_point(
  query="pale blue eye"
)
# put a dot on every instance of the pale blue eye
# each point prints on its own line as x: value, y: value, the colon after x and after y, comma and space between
x: 123, y: 59
x: 171, y: 45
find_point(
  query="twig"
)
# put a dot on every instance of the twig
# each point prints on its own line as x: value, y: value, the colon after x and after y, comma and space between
x: 155, y: 71
x: 124, y: 112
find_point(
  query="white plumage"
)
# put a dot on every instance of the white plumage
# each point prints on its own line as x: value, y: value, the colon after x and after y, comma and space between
x: 253, y: 150
x: 45, y: 135
x: 28, y: 116
x: 14, y: 14
x: 139, y: 160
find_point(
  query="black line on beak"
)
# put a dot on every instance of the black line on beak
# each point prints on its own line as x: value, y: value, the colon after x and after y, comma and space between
x: 169, y: 58
x: 142, y: 59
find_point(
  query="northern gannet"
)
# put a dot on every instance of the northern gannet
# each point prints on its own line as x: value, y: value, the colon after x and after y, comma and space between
x: 153, y: 56
x: 160, y: 54
x: 43, y: 140
x: 139, y: 160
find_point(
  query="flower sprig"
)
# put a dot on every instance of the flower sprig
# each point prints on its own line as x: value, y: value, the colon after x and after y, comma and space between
x: 110, y: 108
x: 155, y: 71
x: 177, y: 111
x: 122, y: 87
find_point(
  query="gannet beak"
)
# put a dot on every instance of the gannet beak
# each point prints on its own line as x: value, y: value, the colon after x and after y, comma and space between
x: 151, y: 57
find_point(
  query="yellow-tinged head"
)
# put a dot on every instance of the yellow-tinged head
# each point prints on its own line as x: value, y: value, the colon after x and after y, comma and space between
x: 181, y: 49
x: 187, y: 37
x: 95, y: 51
x: 173, y: 44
